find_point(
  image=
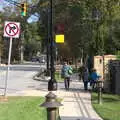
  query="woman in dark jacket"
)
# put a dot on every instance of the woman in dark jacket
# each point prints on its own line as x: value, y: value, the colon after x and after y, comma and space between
x: 85, y: 78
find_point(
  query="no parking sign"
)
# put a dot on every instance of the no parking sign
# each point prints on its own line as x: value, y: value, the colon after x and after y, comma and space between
x: 12, y: 29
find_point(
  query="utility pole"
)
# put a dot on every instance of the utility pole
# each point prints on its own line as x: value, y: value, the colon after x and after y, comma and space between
x: 52, y: 84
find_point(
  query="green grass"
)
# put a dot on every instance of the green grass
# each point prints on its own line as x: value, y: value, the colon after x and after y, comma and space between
x: 22, y: 108
x: 58, y: 77
x: 110, y: 108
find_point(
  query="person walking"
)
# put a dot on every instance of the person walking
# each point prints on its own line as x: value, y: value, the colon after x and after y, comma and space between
x: 93, y: 78
x: 85, y: 78
x: 66, y: 72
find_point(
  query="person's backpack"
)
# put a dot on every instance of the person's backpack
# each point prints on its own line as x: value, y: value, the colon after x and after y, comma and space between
x: 64, y: 71
x: 70, y: 71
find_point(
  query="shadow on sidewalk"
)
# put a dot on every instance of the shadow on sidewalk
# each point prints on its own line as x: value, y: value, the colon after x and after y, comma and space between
x: 76, y: 90
x: 77, y: 118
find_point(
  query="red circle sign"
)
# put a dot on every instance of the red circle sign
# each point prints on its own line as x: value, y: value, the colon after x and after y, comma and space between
x: 11, y: 32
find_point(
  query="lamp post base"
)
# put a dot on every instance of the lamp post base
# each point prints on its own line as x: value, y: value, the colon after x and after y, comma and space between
x: 48, y: 73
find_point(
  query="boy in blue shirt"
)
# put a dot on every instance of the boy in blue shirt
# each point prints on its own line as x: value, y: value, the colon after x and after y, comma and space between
x: 93, y: 78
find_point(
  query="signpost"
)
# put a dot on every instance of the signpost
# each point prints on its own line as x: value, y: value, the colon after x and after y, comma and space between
x: 59, y: 30
x: 11, y: 30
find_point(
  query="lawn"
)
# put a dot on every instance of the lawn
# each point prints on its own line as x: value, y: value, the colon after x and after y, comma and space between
x: 58, y: 77
x: 22, y: 108
x: 110, y: 108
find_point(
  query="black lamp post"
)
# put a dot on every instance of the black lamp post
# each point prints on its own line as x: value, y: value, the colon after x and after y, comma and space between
x: 96, y: 14
x: 48, y: 45
x: 52, y: 84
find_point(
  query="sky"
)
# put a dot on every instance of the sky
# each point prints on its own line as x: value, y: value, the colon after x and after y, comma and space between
x: 2, y: 3
x: 31, y: 19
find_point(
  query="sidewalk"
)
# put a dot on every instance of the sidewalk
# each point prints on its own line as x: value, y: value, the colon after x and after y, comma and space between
x: 77, y: 104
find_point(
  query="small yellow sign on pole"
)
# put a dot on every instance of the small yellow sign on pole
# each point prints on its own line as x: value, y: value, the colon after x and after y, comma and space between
x: 59, y: 38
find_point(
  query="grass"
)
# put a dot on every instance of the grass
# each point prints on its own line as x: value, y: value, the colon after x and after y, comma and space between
x: 58, y: 77
x: 22, y: 108
x: 110, y: 108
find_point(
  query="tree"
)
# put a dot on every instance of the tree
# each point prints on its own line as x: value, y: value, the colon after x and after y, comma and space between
x: 96, y: 32
x: 32, y: 37
x: 83, y: 31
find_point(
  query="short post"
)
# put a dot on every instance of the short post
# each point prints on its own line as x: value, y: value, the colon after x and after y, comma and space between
x: 51, y: 104
x: 100, y: 86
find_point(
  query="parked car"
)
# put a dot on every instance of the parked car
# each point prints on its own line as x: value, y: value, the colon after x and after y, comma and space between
x: 35, y: 59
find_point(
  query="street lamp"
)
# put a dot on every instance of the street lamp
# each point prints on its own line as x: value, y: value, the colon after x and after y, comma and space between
x: 48, y: 45
x: 96, y: 14
x: 52, y: 84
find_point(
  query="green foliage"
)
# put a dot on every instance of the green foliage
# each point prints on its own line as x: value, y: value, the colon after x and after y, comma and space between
x: 83, y: 32
x: 32, y: 41
x: 94, y: 35
x: 118, y: 55
x: 58, y: 77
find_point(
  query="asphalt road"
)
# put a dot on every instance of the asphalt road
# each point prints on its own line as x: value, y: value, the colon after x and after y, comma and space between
x: 20, y: 78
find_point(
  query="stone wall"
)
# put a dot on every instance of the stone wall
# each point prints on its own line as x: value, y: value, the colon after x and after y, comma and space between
x: 101, y: 65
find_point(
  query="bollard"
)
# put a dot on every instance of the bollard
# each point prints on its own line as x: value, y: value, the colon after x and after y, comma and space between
x: 51, y: 104
x: 100, y: 85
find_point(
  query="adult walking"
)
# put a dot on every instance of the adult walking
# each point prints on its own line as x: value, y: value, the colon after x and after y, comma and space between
x: 85, y: 78
x: 66, y: 72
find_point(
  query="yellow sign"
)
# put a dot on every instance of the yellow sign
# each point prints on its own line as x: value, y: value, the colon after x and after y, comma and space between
x: 59, y: 38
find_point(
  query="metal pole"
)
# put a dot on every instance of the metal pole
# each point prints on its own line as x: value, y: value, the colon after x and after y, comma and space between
x: 22, y: 48
x: 100, y: 96
x: 51, y: 40
x: 48, y: 46
x: 51, y: 113
x: 100, y: 92
x: 52, y: 84
x: 8, y: 66
x: 103, y: 67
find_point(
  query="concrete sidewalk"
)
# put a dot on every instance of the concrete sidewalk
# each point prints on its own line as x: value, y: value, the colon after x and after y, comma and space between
x: 77, y: 104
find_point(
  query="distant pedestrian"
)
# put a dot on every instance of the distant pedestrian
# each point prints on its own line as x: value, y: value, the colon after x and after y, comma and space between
x: 81, y: 70
x: 66, y: 72
x: 94, y: 78
x: 85, y: 78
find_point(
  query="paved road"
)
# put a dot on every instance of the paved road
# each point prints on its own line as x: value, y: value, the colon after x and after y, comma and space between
x: 20, y: 78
